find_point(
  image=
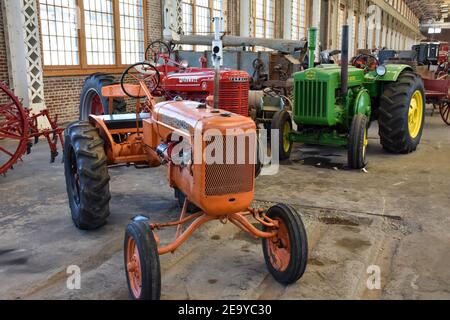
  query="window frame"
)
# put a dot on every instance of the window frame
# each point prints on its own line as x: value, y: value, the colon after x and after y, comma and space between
x: 264, y: 18
x: 83, y: 68
x: 194, y: 6
x: 307, y: 19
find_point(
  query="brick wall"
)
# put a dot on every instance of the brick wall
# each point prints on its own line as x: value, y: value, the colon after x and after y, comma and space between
x: 3, y: 59
x: 154, y: 14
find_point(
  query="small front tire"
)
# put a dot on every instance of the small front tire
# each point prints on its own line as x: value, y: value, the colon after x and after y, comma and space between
x: 286, y: 255
x: 142, y: 266
x: 358, y: 142
x: 282, y: 122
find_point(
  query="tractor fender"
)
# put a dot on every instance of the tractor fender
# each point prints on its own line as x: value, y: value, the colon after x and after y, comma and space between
x: 393, y: 71
x: 362, y: 103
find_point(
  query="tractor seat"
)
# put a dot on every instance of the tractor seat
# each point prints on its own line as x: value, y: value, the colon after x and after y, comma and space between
x: 124, y: 121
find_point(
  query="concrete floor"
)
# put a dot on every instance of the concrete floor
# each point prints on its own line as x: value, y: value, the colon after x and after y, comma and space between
x: 395, y: 216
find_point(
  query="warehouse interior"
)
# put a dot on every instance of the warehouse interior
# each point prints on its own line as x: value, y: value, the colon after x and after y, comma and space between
x: 371, y: 200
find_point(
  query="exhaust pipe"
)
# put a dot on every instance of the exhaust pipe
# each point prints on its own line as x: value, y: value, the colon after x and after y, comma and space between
x: 344, y: 61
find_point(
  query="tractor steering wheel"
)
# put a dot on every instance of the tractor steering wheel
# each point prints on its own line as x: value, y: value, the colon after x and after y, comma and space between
x: 156, y: 51
x: 367, y: 62
x: 138, y: 73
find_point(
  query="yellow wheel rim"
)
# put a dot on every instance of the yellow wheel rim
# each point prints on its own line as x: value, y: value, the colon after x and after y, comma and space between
x: 366, y: 143
x: 415, y: 114
x: 286, y: 140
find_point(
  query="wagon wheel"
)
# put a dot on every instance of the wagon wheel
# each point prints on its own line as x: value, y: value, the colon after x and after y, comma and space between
x: 13, y: 129
x: 444, y: 110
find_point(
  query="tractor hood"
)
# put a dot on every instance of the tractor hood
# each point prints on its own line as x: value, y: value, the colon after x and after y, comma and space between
x: 331, y: 74
x: 186, y: 117
x: 201, y: 79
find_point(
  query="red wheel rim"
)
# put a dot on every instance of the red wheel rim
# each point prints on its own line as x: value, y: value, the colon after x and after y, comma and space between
x: 14, y: 128
x: 279, y: 248
x: 134, y: 268
x: 445, y: 113
x: 97, y: 106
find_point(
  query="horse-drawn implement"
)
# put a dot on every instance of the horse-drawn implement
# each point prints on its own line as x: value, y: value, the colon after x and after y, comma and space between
x: 19, y: 126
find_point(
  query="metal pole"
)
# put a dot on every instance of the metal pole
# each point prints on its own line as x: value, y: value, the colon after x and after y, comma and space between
x: 344, y: 61
x: 312, y: 40
x: 217, y: 48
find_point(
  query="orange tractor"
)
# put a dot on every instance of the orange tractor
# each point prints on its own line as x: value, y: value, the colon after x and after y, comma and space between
x: 210, y: 157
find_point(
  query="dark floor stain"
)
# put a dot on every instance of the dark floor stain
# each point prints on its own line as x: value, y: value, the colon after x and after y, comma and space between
x: 352, y: 229
x: 315, y: 262
x: 353, y: 244
x: 321, y: 162
x: 215, y: 237
x: 338, y: 220
x: 212, y: 281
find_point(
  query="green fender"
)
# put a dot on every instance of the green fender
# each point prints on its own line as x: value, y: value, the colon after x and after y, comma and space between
x: 393, y: 71
x: 362, y: 103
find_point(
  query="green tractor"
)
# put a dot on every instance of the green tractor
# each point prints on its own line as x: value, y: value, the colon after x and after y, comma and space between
x: 334, y: 106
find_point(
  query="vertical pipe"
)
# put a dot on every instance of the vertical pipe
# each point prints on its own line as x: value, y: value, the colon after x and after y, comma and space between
x: 344, y: 61
x: 312, y: 40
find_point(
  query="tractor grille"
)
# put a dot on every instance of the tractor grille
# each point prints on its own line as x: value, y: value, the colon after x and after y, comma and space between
x: 235, y: 175
x: 312, y: 97
x: 233, y: 97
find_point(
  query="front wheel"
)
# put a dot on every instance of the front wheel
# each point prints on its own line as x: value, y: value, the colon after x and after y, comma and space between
x: 358, y: 142
x: 282, y: 122
x: 402, y: 113
x: 286, y: 255
x: 142, y: 265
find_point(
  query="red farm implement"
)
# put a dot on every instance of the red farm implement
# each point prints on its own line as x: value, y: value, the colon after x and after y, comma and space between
x: 437, y: 93
x: 19, y: 126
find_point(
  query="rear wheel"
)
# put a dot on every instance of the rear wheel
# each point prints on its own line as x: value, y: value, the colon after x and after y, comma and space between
x: 87, y: 178
x: 141, y: 259
x: 358, y: 142
x: 91, y: 99
x: 282, y: 122
x: 444, y: 110
x: 402, y: 114
x: 286, y: 255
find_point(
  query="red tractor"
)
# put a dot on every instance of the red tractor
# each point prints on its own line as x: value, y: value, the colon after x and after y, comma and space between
x: 173, y: 80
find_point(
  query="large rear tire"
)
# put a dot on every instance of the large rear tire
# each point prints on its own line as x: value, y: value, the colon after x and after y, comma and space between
x: 142, y: 264
x: 91, y: 99
x: 87, y: 178
x: 402, y: 114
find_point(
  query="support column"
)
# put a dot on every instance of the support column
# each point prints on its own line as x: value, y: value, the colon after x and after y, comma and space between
x: 287, y: 26
x: 245, y: 18
x: 315, y: 22
x: 24, y: 53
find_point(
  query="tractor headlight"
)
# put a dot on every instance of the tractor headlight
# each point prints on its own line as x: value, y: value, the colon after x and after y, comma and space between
x: 381, y: 71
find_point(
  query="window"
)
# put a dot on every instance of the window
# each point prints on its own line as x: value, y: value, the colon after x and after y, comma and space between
x: 197, y: 18
x: 264, y: 18
x: 80, y: 36
x: 59, y: 47
x: 298, y: 19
